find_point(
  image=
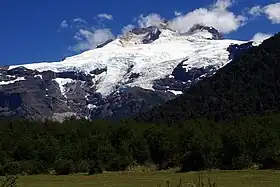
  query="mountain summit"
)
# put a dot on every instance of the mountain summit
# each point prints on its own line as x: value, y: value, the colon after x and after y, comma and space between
x: 141, y: 69
x: 201, y: 28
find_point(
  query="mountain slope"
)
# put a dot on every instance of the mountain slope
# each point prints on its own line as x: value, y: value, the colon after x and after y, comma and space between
x: 120, y: 78
x: 128, y: 55
x: 249, y: 85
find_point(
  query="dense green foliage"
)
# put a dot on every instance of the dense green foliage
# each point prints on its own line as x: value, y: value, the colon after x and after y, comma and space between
x: 8, y: 181
x: 250, y: 85
x: 83, y: 146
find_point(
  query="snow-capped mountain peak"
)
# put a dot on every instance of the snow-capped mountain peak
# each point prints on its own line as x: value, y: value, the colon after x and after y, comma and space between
x: 151, y: 52
x: 155, y: 61
x: 198, y: 28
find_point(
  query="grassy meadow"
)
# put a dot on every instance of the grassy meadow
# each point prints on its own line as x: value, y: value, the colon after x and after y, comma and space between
x: 154, y: 179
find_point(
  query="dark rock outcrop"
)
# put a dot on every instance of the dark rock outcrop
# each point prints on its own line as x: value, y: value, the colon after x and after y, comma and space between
x: 151, y: 36
x: 129, y: 102
x: 74, y: 75
x: 98, y: 71
x: 235, y: 50
x: 134, y: 75
x: 143, y: 30
x: 37, y: 96
x: 181, y: 74
x: 31, y: 99
x: 181, y: 78
x: 152, y: 33
x: 21, y: 72
x: 212, y: 30
x: 105, y: 43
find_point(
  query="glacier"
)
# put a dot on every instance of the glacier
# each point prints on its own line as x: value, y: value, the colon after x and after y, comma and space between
x: 120, y: 78
x: 127, y: 55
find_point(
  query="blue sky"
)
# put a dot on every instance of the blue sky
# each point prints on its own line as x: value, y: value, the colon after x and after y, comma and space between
x: 49, y: 30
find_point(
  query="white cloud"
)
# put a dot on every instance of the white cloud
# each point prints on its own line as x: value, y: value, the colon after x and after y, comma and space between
x: 217, y: 16
x: 87, y: 39
x: 79, y: 21
x: 105, y: 16
x: 176, y: 13
x: 222, y: 4
x: 273, y: 12
x: 127, y: 28
x: 256, y: 10
x: 74, y: 23
x: 64, y: 24
x: 260, y: 37
x: 152, y: 19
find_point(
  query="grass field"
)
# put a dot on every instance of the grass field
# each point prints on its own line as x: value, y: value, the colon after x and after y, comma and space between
x: 153, y: 179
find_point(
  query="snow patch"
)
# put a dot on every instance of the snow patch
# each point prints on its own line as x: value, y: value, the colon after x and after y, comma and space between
x: 40, y: 76
x: 91, y: 106
x: 11, y: 76
x: 62, y: 82
x: 176, y: 92
x: 86, y: 97
x: 12, y: 81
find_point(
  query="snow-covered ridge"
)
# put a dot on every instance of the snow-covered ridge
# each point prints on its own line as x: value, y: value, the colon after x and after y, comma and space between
x: 12, y: 81
x: 127, y: 55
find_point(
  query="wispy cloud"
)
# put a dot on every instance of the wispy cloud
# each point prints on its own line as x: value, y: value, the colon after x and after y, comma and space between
x: 256, y: 10
x: 105, y: 16
x: 271, y: 11
x: 79, y: 21
x: 64, y: 24
x: 127, y: 28
x: 152, y: 19
x: 73, y: 23
x: 176, y: 13
x: 89, y: 39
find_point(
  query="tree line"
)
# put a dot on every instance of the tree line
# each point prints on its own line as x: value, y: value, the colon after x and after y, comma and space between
x: 29, y: 147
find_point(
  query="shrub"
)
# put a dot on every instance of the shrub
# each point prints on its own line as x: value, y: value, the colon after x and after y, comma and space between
x: 32, y: 166
x: 95, y: 167
x: 9, y: 181
x: 146, y: 167
x: 64, y: 167
x: 82, y: 166
x: 11, y: 168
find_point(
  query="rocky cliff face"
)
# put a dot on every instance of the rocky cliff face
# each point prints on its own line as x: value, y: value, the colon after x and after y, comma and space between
x: 119, y: 79
x: 30, y: 94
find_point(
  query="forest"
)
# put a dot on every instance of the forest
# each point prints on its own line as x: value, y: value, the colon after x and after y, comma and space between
x: 229, y: 121
x: 29, y: 147
x: 248, y: 86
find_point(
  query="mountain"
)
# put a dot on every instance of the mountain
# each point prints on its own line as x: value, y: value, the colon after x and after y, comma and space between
x: 120, y: 78
x: 248, y: 86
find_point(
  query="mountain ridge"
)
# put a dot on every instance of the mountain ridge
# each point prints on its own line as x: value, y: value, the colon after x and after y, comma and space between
x: 247, y: 86
x: 123, y: 73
